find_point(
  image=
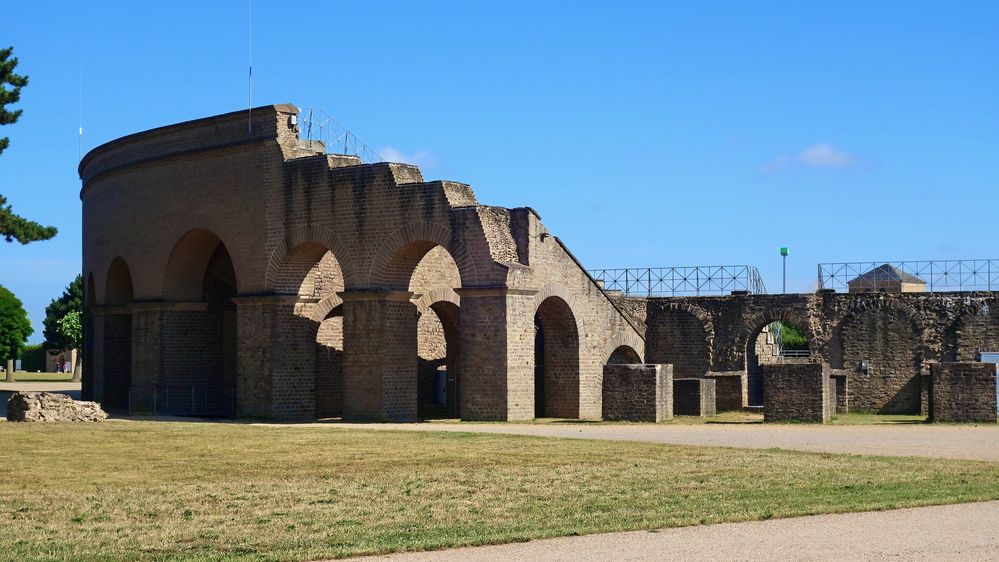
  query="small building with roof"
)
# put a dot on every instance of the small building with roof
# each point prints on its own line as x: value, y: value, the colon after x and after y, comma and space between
x: 887, y: 278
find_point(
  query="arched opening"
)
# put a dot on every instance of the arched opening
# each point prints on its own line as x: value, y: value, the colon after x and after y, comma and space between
x: 679, y: 338
x: 776, y: 342
x: 199, y: 357
x: 89, y: 302
x: 329, y: 365
x: 556, y: 360
x: 624, y: 354
x: 880, y: 348
x: 312, y: 272
x: 433, y: 280
x: 117, y: 352
x: 118, y: 290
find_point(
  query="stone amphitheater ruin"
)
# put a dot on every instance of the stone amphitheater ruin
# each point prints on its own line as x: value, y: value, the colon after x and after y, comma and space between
x: 241, y: 271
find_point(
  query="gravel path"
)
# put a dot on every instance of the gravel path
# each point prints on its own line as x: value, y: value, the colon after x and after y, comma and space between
x: 952, y: 532
x: 921, y: 440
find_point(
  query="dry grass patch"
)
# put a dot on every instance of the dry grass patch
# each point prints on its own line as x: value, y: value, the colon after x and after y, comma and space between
x: 168, y: 491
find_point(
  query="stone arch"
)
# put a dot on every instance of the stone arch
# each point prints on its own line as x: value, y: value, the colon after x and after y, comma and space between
x: 118, y: 287
x: 557, y: 359
x: 322, y: 310
x: 310, y: 270
x: 683, y: 335
x: 556, y: 290
x: 184, y: 276
x: 755, y: 351
x: 436, y: 295
x: 975, y: 330
x: 888, y: 337
x: 624, y: 354
x: 116, y: 376
x: 752, y: 325
x: 398, y: 255
x: 628, y: 340
x: 202, y: 334
x: 439, y: 357
x: 302, y: 235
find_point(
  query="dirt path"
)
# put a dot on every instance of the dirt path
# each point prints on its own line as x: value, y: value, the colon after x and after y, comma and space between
x: 953, y: 532
x: 941, y: 441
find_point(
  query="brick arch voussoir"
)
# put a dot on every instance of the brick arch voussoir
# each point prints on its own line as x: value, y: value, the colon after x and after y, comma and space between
x: 753, y: 324
x: 707, y: 324
x: 629, y: 339
x: 378, y: 272
x: 436, y: 295
x: 324, y: 307
x: 309, y: 233
x: 559, y: 291
x: 879, y: 303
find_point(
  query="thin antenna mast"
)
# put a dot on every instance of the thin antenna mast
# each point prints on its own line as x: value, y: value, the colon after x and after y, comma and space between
x: 80, y: 147
x: 249, y: 77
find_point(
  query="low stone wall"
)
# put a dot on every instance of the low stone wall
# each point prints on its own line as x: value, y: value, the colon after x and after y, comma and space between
x: 639, y: 392
x: 796, y: 392
x: 694, y: 397
x: 963, y: 392
x: 731, y: 389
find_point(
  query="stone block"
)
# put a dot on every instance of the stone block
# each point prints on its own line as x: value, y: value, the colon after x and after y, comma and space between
x: 795, y: 392
x: 963, y: 392
x: 731, y: 389
x: 694, y: 397
x: 638, y: 392
x: 51, y: 407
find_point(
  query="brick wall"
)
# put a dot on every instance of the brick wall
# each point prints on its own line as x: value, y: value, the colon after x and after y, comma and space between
x: 638, y: 392
x: 796, y: 392
x: 963, y: 392
x: 694, y: 397
x: 731, y: 390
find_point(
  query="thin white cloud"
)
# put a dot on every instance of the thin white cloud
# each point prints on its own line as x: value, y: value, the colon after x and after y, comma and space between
x: 826, y: 156
x: 422, y: 158
x: 821, y: 155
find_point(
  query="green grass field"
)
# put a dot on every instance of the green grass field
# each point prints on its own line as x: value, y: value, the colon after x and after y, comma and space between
x: 148, y: 490
x: 21, y: 376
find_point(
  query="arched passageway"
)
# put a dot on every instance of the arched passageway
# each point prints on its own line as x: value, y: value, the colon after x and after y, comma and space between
x: 772, y: 343
x: 117, y: 328
x: 556, y: 360
x: 199, y: 332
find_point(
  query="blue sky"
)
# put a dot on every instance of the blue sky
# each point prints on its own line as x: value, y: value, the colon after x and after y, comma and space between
x: 645, y: 134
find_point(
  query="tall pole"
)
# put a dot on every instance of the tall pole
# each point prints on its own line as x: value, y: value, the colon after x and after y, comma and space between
x: 783, y: 255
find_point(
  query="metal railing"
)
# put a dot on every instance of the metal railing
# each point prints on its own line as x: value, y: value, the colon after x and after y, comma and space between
x: 317, y: 125
x: 795, y: 353
x: 196, y: 400
x: 936, y: 275
x: 682, y: 281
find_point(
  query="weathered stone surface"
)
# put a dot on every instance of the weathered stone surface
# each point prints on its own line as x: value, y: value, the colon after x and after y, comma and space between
x: 51, y: 407
x: 884, y: 342
x: 731, y: 390
x: 796, y: 392
x: 694, y: 397
x: 638, y: 392
x: 963, y: 392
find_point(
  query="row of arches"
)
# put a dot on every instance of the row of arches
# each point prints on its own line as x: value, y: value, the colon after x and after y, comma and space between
x: 201, y: 339
x: 884, y: 345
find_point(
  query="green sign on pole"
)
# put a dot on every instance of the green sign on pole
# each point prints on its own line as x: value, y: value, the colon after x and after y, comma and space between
x: 783, y: 250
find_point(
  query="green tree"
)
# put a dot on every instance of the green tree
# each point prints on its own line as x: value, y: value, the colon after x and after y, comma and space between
x: 13, y: 226
x: 14, y: 329
x: 70, y: 301
x: 71, y: 328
